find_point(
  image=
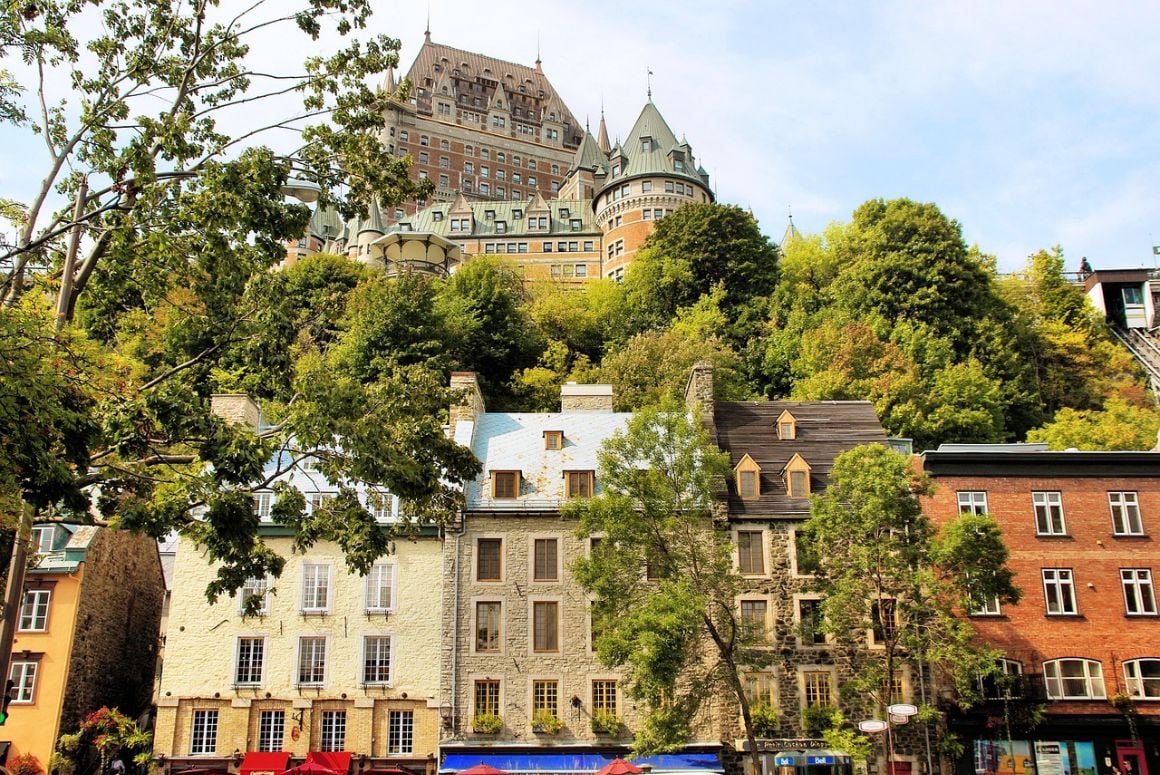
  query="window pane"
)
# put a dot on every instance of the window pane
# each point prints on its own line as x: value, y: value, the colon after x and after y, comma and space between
x: 400, y: 731
x: 488, y: 563
x: 750, y: 554
x: 487, y: 626
x: 545, y: 615
x: 545, y: 568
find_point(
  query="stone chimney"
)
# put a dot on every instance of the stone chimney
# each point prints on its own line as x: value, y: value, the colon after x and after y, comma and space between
x: 699, y: 395
x: 236, y: 409
x: 470, y: 401
x: 585, y: 398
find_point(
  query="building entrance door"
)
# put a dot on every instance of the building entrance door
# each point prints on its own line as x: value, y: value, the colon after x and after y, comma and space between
x: 1130, y: 757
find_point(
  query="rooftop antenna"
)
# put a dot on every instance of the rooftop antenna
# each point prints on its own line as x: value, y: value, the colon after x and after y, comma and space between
x: 649, y: 79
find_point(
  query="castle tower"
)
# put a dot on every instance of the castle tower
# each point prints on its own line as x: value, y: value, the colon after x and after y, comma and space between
x: 648, y: 177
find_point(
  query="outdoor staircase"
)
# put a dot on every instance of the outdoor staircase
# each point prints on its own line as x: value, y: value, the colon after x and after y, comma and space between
x: 1145, y: 346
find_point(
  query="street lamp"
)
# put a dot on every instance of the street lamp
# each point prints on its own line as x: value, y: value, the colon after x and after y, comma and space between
x: 896, y: 715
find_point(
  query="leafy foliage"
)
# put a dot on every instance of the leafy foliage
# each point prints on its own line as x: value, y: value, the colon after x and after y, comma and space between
x: 103, y: 734
x: 886, y: 571
x: 674, y: 627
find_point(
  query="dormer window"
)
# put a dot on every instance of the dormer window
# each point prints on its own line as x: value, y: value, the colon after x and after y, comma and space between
x: 553, y: 439
x: 489, y: 215
x: 748, y: 478
x: 501, y: 227
x: 797, y: 477
x: 438, y: 216
x: 42, y: 539
x: 505, y: 484
x: 786, y: 426
x: 646, y: 144
x: 564, y: 212
x: 578, y: 484
x: 517, y: 213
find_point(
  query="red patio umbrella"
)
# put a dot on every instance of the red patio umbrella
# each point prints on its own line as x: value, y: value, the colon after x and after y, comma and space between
x: 619, y: 766
x: 482, y: 769
x: 310, y: 768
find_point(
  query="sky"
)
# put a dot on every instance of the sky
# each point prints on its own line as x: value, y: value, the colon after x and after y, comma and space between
x: 1033, y: 124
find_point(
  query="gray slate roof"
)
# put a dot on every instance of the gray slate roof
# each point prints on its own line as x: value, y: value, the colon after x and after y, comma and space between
x: 825, y: 429
x: 515, y: 442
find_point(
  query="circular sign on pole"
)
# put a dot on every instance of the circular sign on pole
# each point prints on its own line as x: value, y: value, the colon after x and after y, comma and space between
x: 896, y: 718
x: 872, y: 725
x: 902, y: 709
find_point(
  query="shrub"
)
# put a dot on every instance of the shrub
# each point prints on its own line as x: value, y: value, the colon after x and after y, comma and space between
x: 606, y: 721
x: 487, y: 723
x: 545, y: 722
x: 765, y: 720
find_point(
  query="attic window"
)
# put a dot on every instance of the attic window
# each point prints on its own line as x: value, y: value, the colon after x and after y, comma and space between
x: 578, y: 484
x: 437, y: 215
x: 797, y: 477
x: 489, y: 215
x: 517, y: 213
x: 505, y: 484
x: 786, y: 426
x: 553, y: 439
x: 646, y: 144
x: 564, y: 211
x: 748, y: 478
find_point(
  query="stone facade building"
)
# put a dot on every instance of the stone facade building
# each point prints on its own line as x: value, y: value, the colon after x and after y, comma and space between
x: 87, y: 633
x: 1081, y: 649
x: 525, y: 692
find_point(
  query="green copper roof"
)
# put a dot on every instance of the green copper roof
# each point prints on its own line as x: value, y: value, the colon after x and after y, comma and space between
x: 485, y: 216
x: 651, y: 148
x: 588, y: 156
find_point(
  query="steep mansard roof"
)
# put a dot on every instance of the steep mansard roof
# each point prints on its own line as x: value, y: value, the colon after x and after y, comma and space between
x: 824, y: 429
x: 525, y: 87
x: 436, y: 218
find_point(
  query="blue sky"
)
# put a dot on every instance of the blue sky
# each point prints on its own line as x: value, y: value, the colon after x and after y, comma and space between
x: 1031, y: 123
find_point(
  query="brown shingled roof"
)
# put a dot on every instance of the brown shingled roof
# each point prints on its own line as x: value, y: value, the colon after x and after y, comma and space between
x: 825, y: 429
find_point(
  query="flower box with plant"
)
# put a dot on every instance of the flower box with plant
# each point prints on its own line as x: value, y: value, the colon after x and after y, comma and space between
x: 487, y: 723
x: 765, y: 720
x: 545, y: 722
x: 605, y: 721
x: 816, y: 719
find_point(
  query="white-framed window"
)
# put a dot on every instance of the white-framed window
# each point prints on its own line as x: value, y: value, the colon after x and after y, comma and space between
x: 972, y: 502
x: 1143, y: 678
x: 316, y: 500
x: 311, y: 660
x: 1006, y: 683
x: 1048, y: 513
x: 380, y: 503
x: 22, y: 673
x: 1059, y: 592
x: 258, y: 590
x: 1125, y: 508
x: 380, y: 587
x: 34, y: 610
x: 262, y: 503
x: 1139, y: 594
x: 251, y: 656
x: 203, y: 734
x: 42, y: 538
x: 376, y: 659
x: 400, y: 732
x: 332, y: 731
x: 1074, y: 679
x: 271, y: 730
x: 315, y: 587
x: 987, y: 606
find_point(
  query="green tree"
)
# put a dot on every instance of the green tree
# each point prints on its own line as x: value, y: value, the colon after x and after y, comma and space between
x: 102, y: 736
x: 675, y: 627
x: 160, y: 264
x: 1118, y: 425
x: 885, y: 570
x: 692, y: 251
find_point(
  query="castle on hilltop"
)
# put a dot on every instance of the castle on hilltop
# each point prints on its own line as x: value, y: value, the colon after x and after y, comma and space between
x: 514, y: 175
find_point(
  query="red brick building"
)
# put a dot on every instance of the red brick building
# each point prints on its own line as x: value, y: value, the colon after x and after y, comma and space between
x: 1082, y: 647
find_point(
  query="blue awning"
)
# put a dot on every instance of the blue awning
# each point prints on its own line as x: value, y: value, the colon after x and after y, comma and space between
x: 527, y: 763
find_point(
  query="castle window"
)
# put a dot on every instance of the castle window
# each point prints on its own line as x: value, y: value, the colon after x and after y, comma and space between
x: 646, y: 186
x: 489, y: 215
x: 517, y: 213
x: 424, y: 140
x: 501, y: 227
x: 646, y: 144
x: 786, y: 426
x: 576, y: 223
x: 747, y: 478
x: 668, y: 186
